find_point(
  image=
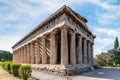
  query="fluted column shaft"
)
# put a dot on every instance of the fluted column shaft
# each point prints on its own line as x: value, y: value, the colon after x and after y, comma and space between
x: 21, y: 55
x: 80, y: 50
x: 89, y: 53
x: 73, y: 49
x: 85, y: 51
x: 92, y: 61
x: 32, y: 53
x: 64, y: 47
x: 44, y: 52
x: 53, y: 56
x: 28, y: 54
x: 37, y: 52
x: 24, y: 53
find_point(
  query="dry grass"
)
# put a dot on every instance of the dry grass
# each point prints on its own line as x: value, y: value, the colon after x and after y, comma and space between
x: 4, y: 75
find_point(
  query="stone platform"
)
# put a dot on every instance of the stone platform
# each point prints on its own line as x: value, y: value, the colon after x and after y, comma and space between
x: 61, y: 69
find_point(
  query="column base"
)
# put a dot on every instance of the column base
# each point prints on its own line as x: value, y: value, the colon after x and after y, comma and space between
x: 62, y: 69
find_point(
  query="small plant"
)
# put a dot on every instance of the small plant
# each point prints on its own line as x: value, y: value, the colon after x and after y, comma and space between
x: 14, y: 68
x: 7, y: 66
x: 25, y: 72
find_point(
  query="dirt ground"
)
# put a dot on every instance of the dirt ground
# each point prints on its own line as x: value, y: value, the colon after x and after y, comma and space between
x: 99, y: 74
x: 4, y: 75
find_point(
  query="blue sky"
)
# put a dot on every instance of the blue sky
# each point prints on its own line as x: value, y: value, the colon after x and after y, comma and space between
x: 19, y: 17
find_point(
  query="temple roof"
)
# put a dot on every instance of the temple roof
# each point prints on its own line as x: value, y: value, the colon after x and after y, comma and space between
x: 64, y: 9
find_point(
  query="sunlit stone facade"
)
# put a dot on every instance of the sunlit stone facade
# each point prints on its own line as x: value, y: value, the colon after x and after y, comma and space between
x: 62, y: 42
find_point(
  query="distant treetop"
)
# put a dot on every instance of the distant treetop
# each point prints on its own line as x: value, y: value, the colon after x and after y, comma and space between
x: 116, y: 43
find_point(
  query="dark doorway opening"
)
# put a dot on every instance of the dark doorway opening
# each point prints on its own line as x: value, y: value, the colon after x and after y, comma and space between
x: 58, y: 53
x: 69, y: 41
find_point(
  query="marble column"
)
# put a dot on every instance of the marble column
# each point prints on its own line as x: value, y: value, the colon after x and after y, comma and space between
x: 37, y: 52
x: 92, y: 61
x: 21, y: 55
x: 32, y: 53
x: 85, y: 51
x: 73, y: 49
x: 28, y: 54
x: 14, y: 56
x: 25, y: 54
x: 89, y: 53
x: 44, y: 51
x: 18, y: 55
x: 80, y: 60
x: 64, y: 47
x: 53, y: 56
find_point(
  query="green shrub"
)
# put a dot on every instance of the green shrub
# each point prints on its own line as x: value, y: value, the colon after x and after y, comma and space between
x: 3, y: 66
x: 14, y: 68
x: 25, y: 72
x: 7, y: 66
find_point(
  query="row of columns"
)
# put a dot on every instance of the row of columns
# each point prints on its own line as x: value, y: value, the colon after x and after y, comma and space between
x: 30, y: 53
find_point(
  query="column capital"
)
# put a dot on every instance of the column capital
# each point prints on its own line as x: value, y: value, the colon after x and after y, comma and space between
x: 53, y: 33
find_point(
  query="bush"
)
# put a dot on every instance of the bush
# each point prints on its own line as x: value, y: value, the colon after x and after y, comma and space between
x: 25, y: 72
x: 14, y: 69
x: 7, y: 66
x: 3, y: 65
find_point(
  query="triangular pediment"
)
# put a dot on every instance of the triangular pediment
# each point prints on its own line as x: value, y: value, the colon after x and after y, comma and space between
x: 65, y: 9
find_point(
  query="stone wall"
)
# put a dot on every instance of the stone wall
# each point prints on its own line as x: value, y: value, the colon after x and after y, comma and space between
x: 61, y: 69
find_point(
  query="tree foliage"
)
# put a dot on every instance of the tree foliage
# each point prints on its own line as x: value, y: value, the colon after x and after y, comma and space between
x: 116, y: 43
x: 5, y: 55
x: 111, y: 57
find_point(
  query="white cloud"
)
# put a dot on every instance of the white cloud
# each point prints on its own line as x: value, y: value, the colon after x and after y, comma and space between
x: 105, y: 39
x: 107, y: 31
x: 23, y: 12
x: 6, y: 42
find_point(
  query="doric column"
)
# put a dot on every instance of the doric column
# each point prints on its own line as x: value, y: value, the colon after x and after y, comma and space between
x: 32, y: 53
x: 28, y: 53
x: 18, y: 55
x: 14, y: 56
x: 92, y: 62
x: 21, y: 55
x: 64, y: 47
x: 37, y: 52
x: 25, y: 54
x: 73, y: 49
x: 80, y: 50
x: 85, y: 51
x: 89, y: 53
x: 53, y: 56
x: 44, y: 52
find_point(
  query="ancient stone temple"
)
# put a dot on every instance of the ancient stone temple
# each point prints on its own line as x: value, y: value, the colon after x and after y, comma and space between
x: 61, y: 44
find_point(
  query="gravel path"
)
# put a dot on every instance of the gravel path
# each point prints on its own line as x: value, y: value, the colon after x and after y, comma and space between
x: 99, y: 74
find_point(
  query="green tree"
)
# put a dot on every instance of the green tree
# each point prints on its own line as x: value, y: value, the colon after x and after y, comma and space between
x: 116, y: 43
x: 5, y: 55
